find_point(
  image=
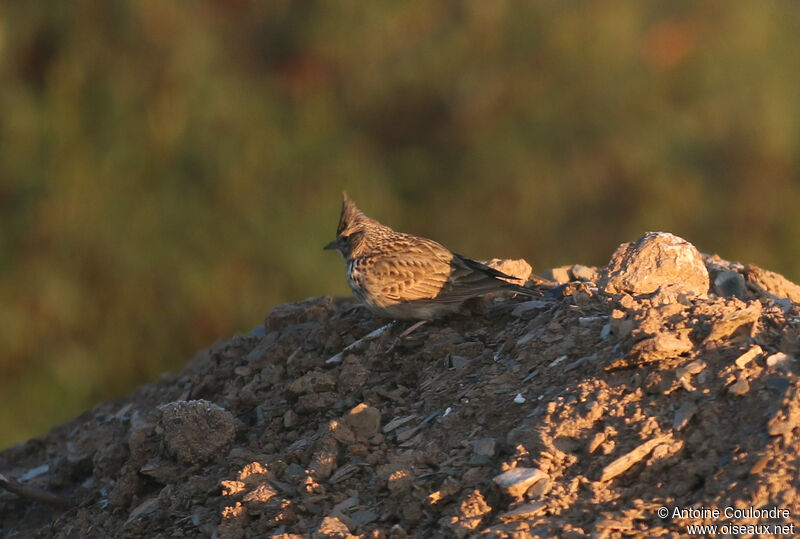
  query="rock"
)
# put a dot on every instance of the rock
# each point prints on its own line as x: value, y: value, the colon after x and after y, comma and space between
x: 313, y: 382
x: 364, y: 516
x: 731, y: 322
x: 363, y: 420
x: 516, y: 481
x: 196, y: 431
x: 261, y: 494
x: 585, y: 273
x: 560, y: 275
x: 740, y: 387
x: 352, y: 376
x: 662, y: 345
x: 627, y: 460
x: 693, y: 367
x: 522, y: 512
x: 769, y: 283
x: 528, y: 307
x: 290, y: 418
x: 316, y: 401
x: 332, y: 527
x: 484, y: 447
x: 289, y: 314
x: 470, y: 514
x: 748, y: 356
x: 780, y: 361
x: 730, y: 284
x: 683, y: 415
x: 657, y: 259
x: 519, y: 269
x: 458, y: 362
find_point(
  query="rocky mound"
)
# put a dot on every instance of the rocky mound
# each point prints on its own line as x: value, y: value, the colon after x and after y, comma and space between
x: 638, y: 398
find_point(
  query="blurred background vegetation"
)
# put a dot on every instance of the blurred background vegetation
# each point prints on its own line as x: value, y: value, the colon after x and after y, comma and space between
x: 169, y: 171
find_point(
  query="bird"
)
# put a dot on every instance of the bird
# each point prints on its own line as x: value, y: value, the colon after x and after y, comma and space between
x: 407, y: 277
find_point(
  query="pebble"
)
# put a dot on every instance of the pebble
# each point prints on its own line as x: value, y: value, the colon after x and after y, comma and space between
x: 364, y: 420
x: 397, y: 422
x: 34, y: 472
x: 557, y: 361
x: 516, y: 481
x: 519, y: 399
x: 484, y: 447
x: 748, y: 356
x: 693, y: 367
x: 365, y: 516
x: 605, y: 332
x: 731, y: 322
x: 458, y: 362
x: 730, y: 284
x: 683, y: 415
x: 627, y: 460
x: 585, y: 273
x: 741, y: 386
x: 780, y: 361
x: 522, y: 512
x: 528, y: 306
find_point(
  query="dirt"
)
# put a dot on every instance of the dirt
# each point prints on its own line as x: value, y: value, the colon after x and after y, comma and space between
x: 580, y: 412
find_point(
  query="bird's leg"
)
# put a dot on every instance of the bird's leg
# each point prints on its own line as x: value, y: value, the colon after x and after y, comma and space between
x: 411, y: 329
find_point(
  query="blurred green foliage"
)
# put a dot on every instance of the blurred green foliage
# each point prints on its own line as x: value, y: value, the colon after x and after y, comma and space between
x: 170, y: 170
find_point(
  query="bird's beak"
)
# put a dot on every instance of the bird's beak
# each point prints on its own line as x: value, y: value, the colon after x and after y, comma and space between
x: 332, y: 245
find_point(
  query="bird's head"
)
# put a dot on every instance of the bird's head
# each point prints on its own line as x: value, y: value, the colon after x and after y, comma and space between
x: 352, y: 226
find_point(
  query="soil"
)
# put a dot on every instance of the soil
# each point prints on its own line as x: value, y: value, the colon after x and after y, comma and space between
x: 579, y: 412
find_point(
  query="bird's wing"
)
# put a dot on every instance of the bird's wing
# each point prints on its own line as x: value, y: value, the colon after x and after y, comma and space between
x: 421, y: 269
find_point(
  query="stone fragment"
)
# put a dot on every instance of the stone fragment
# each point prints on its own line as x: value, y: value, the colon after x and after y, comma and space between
x: 663, y: 345
x: 316, y: 401
x: 364, y: 516
x: 585, y: 273
x: 768, y: 283
x: 595, y: 442
x: 397, y: 422
x: 728, y: 324
x: 693, y: 367
x: 352, y: 376
x: 364, y: 420
x: 148, y: 506
x: 730, y: 284
x: 313, y: 382
x: 740, y: 387
x: 516, y: 481
x: 559, y: 275
x: 748, y: 356
x: 522, y: 512
x: 470, y: 514
x: 657, y: 259
x: 683, y: 415
x: 261, y: 494
x: 528, y: 307
x: 627, y: 460
x: 605, y: 332
x: 485, y: 447
x: 519, y: 269
x: 332, y: 528
x: 458, y: 362
x: 196, y: 431
x: 289, y: 314
x: 780, y: 361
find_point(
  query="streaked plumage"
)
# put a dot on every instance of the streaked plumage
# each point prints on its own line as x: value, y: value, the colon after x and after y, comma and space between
x: 408, y: 277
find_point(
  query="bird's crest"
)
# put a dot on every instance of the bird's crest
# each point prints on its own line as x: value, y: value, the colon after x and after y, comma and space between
x: 351, y: 215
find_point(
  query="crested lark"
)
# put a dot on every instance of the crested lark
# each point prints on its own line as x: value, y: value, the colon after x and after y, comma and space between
x: 407, y: 277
